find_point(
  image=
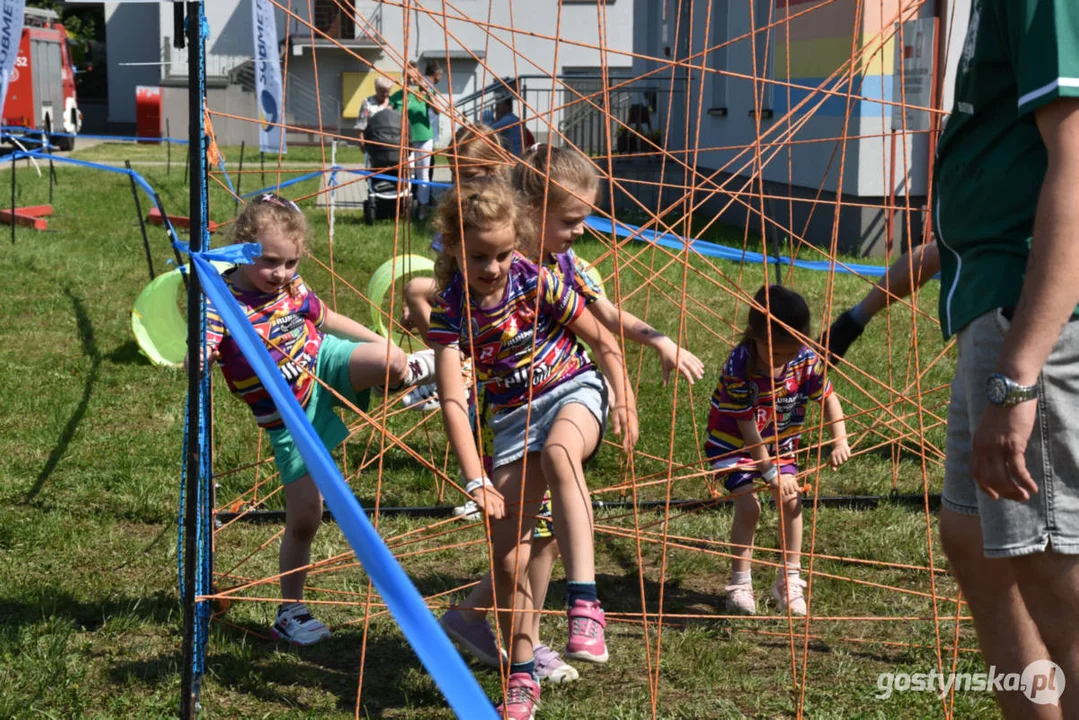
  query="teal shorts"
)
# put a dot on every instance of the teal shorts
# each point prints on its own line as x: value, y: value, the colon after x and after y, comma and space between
x: 331, y: 367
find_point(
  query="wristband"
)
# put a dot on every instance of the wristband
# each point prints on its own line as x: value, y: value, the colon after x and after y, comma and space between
x: 477, y: 483
x: 770, y: 474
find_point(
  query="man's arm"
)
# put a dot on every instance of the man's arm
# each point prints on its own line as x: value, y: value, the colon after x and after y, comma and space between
x: 912, y: 270
x: 1049, y: 297
x: 1050, y: 292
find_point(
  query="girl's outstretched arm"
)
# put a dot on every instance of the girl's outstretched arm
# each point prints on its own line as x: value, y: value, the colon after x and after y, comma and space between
x: 345, y: 327
x: 671, y: 357
x: 833, y: 415
x: 609, y: 357
x: 454, y: 400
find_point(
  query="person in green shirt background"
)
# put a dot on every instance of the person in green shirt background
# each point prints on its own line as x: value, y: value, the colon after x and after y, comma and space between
x: 1006, y: 221
x: 421, y: 133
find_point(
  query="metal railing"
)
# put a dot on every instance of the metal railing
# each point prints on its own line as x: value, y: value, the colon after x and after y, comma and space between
x: 301, y: 101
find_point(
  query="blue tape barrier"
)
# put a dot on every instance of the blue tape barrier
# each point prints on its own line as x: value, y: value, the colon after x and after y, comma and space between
x: 402, y: 599
x: 710, y: 249
x: 334, y: 169
x: 38, y: 155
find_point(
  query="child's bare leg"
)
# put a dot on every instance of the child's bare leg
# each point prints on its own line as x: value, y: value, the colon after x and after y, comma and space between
x: 368, y: 362
x: 789, y: 584
x: 303, y: 513
x: 511, y: 545
x: 791, y: 527
x: 573, y: 436
x: 747, y: 513
x: 544, y: 554
x: 479, y: 601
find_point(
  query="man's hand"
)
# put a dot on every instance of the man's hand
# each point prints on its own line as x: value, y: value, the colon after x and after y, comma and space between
x: 998, y: 461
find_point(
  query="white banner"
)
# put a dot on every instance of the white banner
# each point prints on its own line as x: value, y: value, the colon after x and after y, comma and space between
x: 11, y: 15
x: 267, y: 77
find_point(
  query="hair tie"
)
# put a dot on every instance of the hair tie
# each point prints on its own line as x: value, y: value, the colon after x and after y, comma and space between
x: 272, y: 199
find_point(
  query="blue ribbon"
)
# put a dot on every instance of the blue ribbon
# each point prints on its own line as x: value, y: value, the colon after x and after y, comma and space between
x: 402, y: 599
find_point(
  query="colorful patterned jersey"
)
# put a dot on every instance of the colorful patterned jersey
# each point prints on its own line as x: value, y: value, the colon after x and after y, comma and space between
x: 572, y: 271
x: 743, y: 393
x: 291, y: 320
x: 501, y: 337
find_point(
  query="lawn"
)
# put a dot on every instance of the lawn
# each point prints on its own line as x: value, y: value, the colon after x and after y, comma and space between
x: 91, y: 434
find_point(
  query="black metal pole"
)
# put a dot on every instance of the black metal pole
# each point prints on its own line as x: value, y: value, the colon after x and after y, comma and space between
x: 187, y: 162
x: 196, y: 58
x: 168, y: 148
x: 262, y: 165
x: 175, y: 253
x: 13, y: 197
x: 239, y: 178
x: 142, y: 221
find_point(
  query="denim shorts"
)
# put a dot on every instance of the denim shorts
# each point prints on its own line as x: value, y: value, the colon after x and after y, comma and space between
x: 587, y: 388
x: 331, y: 366
x: 1050, y: 519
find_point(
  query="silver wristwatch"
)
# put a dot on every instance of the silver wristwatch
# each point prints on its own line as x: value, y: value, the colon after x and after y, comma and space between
x: 1002, y: 391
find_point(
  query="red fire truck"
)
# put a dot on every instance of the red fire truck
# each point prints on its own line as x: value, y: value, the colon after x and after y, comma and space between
x: 41, y: 95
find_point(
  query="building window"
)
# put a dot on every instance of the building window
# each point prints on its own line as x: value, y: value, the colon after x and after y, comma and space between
x: 332, y: 20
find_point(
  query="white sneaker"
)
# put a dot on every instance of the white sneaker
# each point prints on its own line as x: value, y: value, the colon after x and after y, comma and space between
x: 741, y: 600
x: 423, y: 398
x: 792, y: 597
x: 421, y: 368
x: 295, y: 623
x: 469, y: 511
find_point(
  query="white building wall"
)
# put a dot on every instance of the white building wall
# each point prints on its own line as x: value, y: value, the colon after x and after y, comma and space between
x: 230, y: 42
x: 502, y: 52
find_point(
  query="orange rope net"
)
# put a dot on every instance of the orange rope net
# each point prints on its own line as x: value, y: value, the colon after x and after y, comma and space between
x: 813, y: 87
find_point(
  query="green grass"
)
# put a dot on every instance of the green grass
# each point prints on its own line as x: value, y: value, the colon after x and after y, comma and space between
x: 90, y: 438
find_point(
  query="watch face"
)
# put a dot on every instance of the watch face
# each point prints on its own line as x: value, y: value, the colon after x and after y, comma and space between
x: 996, y: 390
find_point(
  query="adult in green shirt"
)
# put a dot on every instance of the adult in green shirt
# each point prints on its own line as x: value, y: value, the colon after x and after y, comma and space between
x: 421, y: 135
x: 1006, y: 218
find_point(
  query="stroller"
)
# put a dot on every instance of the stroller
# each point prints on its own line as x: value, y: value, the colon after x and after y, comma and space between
x: 387, y: 151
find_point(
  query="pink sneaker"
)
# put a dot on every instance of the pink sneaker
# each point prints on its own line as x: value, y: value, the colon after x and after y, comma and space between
x: 586, y: 624
x: 522, y: 698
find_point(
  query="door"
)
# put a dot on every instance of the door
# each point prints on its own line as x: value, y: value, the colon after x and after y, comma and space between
x: 46, y: 63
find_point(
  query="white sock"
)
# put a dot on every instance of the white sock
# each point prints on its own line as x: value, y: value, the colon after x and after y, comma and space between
x: 741, y: 577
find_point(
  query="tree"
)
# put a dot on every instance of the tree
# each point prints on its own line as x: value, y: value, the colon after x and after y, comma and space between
x: 80, y: 22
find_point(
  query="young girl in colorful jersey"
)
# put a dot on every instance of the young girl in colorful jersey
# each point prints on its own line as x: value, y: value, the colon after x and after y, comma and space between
x: 759, y: 404
x: 547, y: 400
x: 306, y: 340
x: 559, y: 186
x: 476, y: 153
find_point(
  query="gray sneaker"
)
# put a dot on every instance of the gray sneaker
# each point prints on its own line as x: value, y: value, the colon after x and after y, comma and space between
x: 476, y: 637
